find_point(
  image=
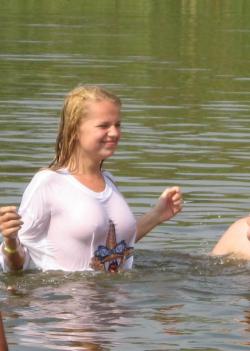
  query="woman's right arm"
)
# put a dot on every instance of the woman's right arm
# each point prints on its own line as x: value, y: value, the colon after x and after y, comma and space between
x: 12, y: 250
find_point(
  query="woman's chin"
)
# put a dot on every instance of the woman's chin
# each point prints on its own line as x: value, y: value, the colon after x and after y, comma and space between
x: 107, y: 154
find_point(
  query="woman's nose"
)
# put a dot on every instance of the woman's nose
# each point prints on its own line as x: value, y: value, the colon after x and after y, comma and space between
x: 114, y: 131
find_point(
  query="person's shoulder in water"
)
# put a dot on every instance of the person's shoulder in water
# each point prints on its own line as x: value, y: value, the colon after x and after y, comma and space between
x: 235, y: 241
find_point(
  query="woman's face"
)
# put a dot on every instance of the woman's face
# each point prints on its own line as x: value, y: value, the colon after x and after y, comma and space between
x: 99, y: 132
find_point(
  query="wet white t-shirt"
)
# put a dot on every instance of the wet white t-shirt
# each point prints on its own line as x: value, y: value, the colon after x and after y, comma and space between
x: 69, y: 227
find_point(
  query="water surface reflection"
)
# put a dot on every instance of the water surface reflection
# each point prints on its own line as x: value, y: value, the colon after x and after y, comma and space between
x: 182, y: 296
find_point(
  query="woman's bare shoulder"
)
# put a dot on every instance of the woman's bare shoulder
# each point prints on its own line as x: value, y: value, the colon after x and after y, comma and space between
x: 235, y: 240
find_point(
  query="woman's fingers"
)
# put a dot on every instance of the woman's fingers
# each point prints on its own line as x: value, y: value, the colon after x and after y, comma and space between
x: 11, y: 231
x: 170, y: 203
x: 176, y: 197
x: 10, y: 221
x: 6, y: 209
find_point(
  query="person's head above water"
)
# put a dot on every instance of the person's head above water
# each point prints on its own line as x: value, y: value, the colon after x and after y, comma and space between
x: 81, y: 104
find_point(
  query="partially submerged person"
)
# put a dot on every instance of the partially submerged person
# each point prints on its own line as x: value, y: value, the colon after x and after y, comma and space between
x: 72, y: 216
x: 3, y: 341
x: 235, y: 241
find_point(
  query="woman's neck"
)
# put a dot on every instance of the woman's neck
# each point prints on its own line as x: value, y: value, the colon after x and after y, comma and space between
x: 85, y: 169
x: 90, y: 175
x: 94, y: 181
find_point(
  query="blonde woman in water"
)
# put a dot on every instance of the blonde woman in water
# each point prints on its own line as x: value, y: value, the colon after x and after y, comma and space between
x: 72, y: 216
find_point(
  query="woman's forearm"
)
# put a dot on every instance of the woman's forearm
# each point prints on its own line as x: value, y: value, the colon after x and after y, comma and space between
x: 145, y: 224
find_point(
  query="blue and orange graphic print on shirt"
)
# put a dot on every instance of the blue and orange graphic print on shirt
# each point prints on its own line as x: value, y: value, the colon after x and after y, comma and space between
x: 111, y: 257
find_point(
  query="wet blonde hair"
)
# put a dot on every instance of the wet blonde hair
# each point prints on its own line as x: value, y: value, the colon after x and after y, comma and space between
x: 74, y: 110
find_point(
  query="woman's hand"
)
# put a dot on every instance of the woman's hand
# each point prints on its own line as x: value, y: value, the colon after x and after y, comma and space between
x: 169, y: 204
x: 10, y: 222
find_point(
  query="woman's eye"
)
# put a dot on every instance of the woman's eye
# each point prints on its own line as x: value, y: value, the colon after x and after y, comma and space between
x: 103, y: 126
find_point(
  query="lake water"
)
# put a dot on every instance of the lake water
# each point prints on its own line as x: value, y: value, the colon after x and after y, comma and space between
x: 182, y: 71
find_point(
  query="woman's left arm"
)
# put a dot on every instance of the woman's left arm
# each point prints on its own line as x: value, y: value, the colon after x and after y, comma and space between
x: 168, y: 205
